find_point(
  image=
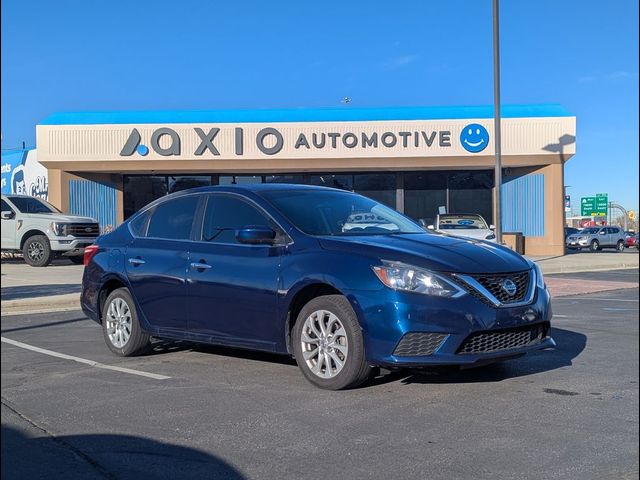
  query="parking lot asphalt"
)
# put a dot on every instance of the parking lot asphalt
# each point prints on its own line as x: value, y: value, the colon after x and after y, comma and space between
x: 571, y: 412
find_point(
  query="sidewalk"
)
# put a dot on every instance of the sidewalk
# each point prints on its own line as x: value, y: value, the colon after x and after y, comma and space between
x: 589, y: 262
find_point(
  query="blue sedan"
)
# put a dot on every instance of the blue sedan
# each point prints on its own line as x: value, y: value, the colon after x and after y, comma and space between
x: 339, y: 281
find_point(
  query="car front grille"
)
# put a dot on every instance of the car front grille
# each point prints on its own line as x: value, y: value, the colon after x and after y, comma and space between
x: 495, y: 285
x: 83, y: 229
x: 507, y: 339
x: 415, y: 344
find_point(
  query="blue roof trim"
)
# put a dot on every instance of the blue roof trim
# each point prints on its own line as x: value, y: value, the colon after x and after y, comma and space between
x: 329, y: 114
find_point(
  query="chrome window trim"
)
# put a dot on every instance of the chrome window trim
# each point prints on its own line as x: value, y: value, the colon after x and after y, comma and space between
x: 473, y: 283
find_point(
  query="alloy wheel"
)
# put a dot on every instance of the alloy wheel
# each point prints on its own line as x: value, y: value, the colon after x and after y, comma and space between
x: 118, y: 322
x: 35, y: 251
x: 324, y: 344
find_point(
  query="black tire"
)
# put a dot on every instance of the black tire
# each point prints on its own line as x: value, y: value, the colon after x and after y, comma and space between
x: 356, y: 369
x: 620, y: 246
x: 595, y: 245
x: 77, y: 259
x: 37, y: 251
x: 138, y: 340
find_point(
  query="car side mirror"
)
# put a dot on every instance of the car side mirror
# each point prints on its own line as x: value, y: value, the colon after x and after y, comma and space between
x: 602, y: 232
x: 256, y: 235
x: 431, y: 227
x: 7, y: 215
x: 492, y: 227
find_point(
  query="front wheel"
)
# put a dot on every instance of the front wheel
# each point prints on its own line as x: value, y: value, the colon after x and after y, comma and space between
x: 595, y: 246
x: 620, y: 246
x: 328, y: 344
x: 37, y: 251
x: 120, y: 326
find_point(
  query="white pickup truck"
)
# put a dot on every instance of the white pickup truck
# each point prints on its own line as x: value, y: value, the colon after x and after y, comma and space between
x: 41, y: 232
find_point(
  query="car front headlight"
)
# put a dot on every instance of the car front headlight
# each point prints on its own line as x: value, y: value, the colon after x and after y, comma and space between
x: 408, y: 278
x: 59, y: 229
x: 539, y: 276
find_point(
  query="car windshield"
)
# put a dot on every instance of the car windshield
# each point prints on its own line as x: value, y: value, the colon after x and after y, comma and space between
x: 590, y: 231
x: 33, y: 205
x: 462, y: 222
x: 325, y: 212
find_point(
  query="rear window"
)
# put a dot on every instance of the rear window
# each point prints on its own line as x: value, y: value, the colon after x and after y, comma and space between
x: 173, y: 219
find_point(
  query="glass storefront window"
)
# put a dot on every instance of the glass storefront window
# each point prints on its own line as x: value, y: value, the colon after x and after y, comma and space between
x: 471, y: 192
x: 183, y: 182
x: 343, y: 182
x: 141, y: 190
x: 239, y: 179
x: 424, y: 192
x: 298, y: 179
x: 378, y: 186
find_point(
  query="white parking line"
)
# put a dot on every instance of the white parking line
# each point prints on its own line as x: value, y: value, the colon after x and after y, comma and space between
x: 91, y: 363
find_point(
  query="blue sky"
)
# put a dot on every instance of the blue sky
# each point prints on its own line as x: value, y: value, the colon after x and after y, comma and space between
x: 123, y: 55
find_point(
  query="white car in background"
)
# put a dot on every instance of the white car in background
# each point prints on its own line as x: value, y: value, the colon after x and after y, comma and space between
x: 468, y: 225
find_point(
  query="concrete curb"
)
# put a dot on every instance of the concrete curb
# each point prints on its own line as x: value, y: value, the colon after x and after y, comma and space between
x: 53, y: 303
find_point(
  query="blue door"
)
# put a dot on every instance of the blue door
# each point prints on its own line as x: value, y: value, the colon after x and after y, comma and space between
x: 157, y: 261
x: 233, y: 287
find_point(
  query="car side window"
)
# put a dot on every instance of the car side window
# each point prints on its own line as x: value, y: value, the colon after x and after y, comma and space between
x: 225, y: 214
x: 6, y: 207
x: 140, y: 223
x: 173, y: 219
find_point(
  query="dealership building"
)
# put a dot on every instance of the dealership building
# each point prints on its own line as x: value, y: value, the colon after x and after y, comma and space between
x: 418, y: 160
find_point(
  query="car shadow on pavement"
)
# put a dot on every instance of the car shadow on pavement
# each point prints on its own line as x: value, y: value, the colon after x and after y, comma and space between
x: 162, y: 346
x: 569, y: 345
x: 32, y: 291
x: 105, y: 456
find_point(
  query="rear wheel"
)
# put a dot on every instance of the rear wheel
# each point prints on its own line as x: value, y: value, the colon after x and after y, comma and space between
x: 328, y: 344
x: 37, y: 251
x: 120, y: 326
x: 595, y: 246
x: 620, y: 246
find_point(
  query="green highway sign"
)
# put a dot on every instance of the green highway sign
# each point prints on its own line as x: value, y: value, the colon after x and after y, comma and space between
x: 597, y: 206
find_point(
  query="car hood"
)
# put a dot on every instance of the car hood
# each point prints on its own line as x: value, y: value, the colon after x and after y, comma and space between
x: 442, y: 253
x: 60, y: 218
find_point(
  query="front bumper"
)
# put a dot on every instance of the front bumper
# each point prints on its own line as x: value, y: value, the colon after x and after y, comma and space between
x: 387, y: 315
x: 577, y: 243
x: 71, y: 245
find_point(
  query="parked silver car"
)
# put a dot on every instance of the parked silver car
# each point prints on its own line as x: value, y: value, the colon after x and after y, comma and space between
x: 597, y: 238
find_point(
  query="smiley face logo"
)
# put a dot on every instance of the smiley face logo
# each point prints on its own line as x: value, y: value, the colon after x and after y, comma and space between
x: 474, y: 138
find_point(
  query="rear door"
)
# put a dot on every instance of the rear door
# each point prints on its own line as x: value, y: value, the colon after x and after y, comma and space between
x: 233, y: 286
x: 157, y: 260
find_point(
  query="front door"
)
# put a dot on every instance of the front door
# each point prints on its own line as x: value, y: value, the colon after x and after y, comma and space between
x: 8, y: 227
x: 232, y: 286
x: 157, y: 261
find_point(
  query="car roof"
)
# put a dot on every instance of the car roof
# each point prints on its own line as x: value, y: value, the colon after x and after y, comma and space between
x: 262, y: 187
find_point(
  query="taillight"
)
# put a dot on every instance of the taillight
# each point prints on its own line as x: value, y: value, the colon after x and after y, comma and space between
x: 89, y: 253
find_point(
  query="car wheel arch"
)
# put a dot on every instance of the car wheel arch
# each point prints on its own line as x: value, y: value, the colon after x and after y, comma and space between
x: 28, y: 234
x: 109, y: 284
x: 302, y: 295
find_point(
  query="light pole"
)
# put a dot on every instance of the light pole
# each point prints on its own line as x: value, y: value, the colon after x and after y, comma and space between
x: 497, y: 221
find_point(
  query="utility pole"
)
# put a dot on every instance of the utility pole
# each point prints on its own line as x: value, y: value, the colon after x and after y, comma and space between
x: 497, y: 221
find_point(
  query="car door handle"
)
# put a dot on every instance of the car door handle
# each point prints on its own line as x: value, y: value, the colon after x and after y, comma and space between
x: 200, y: 266
x: 136, y: 261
